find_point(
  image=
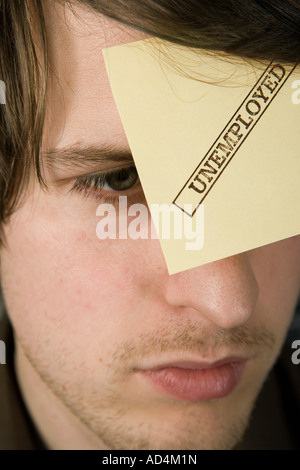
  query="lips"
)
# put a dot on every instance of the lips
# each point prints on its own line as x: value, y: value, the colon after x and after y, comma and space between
x: 195, y: 381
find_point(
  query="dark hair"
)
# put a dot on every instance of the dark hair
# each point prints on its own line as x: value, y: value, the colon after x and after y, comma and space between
x: 261, y: 29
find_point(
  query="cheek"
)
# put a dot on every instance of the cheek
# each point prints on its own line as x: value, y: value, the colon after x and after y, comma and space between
x: 277, y: 270
x: 57, y: 275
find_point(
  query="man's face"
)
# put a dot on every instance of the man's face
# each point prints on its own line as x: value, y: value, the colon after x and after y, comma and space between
x: 93, y: 317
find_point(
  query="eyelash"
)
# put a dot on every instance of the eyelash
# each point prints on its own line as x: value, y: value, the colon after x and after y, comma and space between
x: 92, y: 185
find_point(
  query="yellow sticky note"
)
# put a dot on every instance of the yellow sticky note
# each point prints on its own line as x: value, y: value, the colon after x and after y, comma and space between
x: 215, y: 140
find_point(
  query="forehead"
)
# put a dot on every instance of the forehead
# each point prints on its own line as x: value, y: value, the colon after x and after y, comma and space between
x: 80, y: 104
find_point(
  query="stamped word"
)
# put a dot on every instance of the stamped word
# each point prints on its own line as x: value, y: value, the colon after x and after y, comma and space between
x: 233, y: 136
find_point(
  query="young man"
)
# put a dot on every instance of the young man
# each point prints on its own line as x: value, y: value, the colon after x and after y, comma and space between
x: 110, y: 351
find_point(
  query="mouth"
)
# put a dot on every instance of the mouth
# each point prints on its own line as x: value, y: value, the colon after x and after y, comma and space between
x: 196, y: 381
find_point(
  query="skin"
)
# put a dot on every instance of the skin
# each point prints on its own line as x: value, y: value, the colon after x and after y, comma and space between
x: 87, y: 312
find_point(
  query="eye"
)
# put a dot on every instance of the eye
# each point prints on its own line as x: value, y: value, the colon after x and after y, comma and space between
x: 119, y: 180
x: 107, y: 184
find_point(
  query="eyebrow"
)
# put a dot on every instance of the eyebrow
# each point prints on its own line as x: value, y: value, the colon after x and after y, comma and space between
x: 85, y: 156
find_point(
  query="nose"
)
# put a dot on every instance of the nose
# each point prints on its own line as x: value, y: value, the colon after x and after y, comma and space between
x: 225, y: 291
